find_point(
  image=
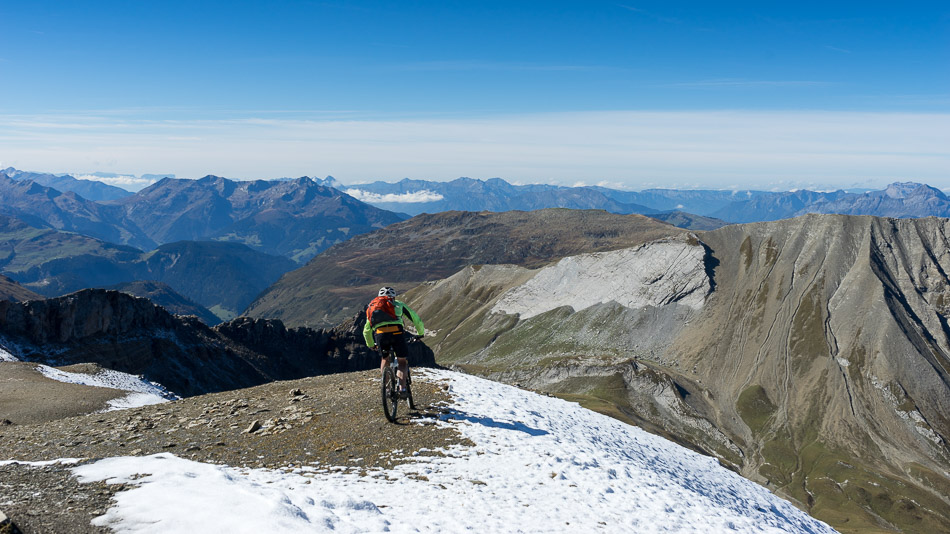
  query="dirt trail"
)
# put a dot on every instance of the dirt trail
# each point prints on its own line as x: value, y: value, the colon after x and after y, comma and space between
x: 327, y: 420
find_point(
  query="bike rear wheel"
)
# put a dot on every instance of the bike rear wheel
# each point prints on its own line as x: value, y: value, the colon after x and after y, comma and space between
x: 390, y: 393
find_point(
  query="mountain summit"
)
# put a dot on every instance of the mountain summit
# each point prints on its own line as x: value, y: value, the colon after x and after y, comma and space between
x: 294, y: 218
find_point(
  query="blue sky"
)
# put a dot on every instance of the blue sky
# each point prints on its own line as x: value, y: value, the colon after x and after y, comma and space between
x: 384, y: 90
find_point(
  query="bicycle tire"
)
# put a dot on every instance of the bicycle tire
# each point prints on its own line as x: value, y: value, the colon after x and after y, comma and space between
x: 390, y: 393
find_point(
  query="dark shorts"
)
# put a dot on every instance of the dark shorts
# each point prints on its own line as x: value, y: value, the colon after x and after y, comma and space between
x: 394, y: 340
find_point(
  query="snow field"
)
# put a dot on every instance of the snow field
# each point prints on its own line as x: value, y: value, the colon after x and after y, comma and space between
x: 539, y: 465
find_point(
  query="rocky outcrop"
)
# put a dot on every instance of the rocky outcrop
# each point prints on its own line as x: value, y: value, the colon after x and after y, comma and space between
x: 132, y: 335
x: 301, y: 351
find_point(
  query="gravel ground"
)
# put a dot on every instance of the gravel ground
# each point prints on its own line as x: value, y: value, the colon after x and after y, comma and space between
x: 327, y: 420
x: 26, y: 396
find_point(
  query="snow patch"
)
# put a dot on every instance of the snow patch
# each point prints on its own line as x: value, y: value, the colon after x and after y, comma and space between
x: 44, y: 463
x: 408, y: 198
x: 6, y: 356
x: 538, y: 465
x: 143, y: 392
x: 655, y: 274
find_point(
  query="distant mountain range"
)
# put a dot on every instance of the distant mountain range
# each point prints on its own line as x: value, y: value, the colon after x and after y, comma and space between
x: 294, y: 218
x: 466, y: 194
x: 88, y: 189
x: 900, y: 200
x: 44, y: 207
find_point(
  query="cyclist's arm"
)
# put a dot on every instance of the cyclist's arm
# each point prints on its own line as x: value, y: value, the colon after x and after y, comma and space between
x: 368, y: 335
x: 420, y: 329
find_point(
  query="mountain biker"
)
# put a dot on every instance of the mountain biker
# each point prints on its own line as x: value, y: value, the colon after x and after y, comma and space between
x: 384, y: 330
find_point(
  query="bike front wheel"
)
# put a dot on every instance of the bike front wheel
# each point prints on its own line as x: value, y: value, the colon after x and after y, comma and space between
x: 390, y: 393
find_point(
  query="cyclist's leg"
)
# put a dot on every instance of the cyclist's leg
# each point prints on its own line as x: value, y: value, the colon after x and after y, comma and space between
x: 380, y: 338
x: 402, y: 353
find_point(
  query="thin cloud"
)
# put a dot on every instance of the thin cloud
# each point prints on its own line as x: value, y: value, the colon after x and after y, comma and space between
x: 727, y: 82
x: 661, y: 18
x: 474, y: 65
x: 670, y: 149
x: 407, y: 198
x: 128, y: 182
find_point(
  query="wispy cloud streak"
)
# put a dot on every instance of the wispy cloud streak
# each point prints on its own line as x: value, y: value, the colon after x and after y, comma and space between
x: 751, y: 83
x: 706, y: 149
x: 495, y: 66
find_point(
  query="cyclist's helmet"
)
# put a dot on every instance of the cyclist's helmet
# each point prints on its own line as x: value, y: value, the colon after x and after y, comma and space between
x: 387, y: 292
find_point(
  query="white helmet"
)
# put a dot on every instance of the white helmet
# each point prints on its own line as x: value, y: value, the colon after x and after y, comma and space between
x: 387, y: 292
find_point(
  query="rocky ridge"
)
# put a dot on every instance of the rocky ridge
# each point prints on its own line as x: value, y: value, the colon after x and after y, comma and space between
x: 338, y: 282
x: 132, y: 335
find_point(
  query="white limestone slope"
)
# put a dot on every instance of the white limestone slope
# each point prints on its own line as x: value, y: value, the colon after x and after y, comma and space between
x: 654, y: 274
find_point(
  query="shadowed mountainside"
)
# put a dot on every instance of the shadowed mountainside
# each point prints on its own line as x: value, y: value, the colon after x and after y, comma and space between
x: 53, y: 263
x: 689, y: 221
x: 44, y: 207
x: 341, y: 280
x: 163, y: 295
x: 225, y: 277
x: 11, y: 290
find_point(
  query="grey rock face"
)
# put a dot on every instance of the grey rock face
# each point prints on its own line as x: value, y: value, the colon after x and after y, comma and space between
x: 132, y: 335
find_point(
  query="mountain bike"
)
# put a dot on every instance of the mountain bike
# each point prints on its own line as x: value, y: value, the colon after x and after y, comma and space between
x: 390, y: 384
